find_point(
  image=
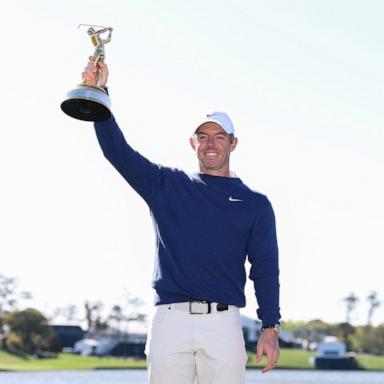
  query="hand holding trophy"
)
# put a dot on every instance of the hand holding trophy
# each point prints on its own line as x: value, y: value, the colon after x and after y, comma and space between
x: 89, y: 100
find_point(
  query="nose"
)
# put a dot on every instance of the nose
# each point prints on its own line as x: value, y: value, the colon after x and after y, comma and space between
x: 210, y: 141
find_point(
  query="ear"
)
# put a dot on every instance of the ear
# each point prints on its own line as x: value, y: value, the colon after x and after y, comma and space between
x: 233, y: 144
x: 192, y: 141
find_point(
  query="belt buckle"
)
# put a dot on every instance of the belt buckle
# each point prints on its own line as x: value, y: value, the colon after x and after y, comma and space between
x: 199, y: 307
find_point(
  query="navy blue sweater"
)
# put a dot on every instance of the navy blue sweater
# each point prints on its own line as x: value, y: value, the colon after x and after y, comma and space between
x: 205, y: 228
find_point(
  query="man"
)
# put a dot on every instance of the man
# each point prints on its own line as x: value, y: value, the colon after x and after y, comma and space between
x: 206, y: 225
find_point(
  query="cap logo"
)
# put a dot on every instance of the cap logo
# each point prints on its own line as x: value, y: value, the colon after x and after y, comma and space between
x: 222, y: 119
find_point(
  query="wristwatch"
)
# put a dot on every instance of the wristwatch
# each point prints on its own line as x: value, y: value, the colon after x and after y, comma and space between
x: 275, y: 327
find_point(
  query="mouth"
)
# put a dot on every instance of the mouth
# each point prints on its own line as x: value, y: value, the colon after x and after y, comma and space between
x: 211, y: 154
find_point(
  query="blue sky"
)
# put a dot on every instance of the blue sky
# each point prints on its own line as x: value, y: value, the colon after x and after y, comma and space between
x: 302, y: 81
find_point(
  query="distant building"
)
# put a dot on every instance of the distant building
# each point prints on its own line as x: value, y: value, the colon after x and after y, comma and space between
x: 251, y: 330
x: 331, y: 354
x: 131, y: 345
x: 332, y: 348
x: 67, y: 335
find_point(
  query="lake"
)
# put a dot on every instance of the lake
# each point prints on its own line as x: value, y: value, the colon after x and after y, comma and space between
x: 136, y: 376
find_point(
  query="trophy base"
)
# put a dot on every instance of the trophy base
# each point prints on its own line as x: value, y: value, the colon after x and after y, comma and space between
x: 87, y: 103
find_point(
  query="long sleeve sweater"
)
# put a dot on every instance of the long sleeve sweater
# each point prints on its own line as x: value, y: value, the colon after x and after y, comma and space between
x: 205, y: 227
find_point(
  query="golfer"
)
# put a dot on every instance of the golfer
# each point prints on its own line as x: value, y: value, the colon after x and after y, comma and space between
x: 206, y: 224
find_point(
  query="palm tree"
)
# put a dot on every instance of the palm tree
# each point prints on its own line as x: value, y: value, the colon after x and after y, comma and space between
x: 374, y: 303
x: 347, y: 328
x: 351, y: 302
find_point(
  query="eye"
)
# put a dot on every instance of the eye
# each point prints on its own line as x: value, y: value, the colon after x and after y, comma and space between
x: 201, y: 137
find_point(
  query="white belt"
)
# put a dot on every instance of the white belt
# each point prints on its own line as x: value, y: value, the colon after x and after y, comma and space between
x: 201, y: 307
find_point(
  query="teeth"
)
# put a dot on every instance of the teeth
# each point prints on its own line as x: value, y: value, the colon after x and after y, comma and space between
x: 211, y: 154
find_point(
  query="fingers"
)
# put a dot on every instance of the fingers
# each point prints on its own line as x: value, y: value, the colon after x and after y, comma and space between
x: 271, y: 361
x: 270, y: 347
x: 90, y: 73
x: 259, y: 353
x: 104, y: 74
x: 91, y: 66
x: 104, y: 78
x: 277, y: 356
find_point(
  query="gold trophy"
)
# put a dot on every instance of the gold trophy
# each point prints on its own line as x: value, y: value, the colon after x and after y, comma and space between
x: 91, y: 102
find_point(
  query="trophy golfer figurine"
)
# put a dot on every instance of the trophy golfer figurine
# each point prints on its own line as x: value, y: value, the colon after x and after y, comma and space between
x: 90, y: 102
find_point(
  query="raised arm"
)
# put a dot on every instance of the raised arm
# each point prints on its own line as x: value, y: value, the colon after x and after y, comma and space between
x: 143, y: 175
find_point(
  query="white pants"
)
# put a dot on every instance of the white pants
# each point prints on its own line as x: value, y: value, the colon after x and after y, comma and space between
x: 184, y: 347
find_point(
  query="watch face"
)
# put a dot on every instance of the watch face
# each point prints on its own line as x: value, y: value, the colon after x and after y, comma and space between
x: 275, y: 327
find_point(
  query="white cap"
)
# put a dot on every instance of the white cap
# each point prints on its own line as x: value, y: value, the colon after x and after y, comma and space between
x: 221, y: 119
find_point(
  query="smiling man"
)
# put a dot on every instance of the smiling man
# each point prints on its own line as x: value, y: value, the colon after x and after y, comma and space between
x: 206, y: 225
x: 213, y: 144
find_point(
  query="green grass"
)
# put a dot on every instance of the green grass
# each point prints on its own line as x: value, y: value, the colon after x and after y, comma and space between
x: 289, y: 358
x: 371, y: 362
x: 65, y: 361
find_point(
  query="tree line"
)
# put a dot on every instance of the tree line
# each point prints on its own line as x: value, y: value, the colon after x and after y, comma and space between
x: 362, y: 338
x: 28, y: 330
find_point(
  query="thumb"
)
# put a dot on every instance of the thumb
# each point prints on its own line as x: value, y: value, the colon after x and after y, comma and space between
x: 104, y: 73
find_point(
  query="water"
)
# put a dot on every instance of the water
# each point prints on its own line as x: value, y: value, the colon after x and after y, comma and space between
x: 136, y: 376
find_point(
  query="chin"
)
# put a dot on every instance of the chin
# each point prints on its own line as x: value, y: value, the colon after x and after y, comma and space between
x: 212, y: 167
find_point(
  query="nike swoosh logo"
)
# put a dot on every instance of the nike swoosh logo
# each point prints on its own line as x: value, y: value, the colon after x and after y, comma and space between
x: 232, y: 199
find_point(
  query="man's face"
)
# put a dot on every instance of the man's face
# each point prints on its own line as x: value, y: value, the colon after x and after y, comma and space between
x: 213, y: 147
